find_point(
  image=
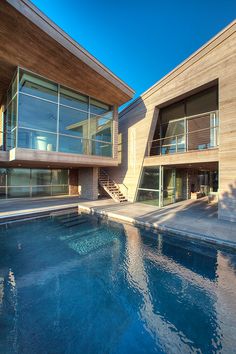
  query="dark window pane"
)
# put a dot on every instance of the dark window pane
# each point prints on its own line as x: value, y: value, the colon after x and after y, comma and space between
x: 73, y: 99
x: 174, y: 111
x: 37, y: 114
x: 72, y: 145
x: 2, y: 192
x: 59, y: 176
x: 57, y: 190
x: 41, y: 191
x: 37, y: 86
x: 3, y: 174
x: 73, y: 122
x: 148, y: 197
x: 202, y: 102
x: 31, y: 139
x: 150, y: 178
x: 18, y: 192
x: 18, y: 177
x: 40, y: 177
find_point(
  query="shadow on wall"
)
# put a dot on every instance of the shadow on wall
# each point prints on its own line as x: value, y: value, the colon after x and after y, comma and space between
x: 228, y: 203
x: 128, y: 141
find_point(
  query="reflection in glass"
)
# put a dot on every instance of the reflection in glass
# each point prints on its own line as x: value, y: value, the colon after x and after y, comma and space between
x: 41, y: 177
x: 18, y: 177
x: 37, y: 114
x: 148, y: 197
x: 101, y: 129
x: 97, y: 107
x: 18, y: 192
x: 73, y: 122
x: 31, y: 139
x: 57, y: 190
x: 73, y: 99
x: 72, y: 145
x: 59, y: 176
x: 37, y: 86
x: 2, y: 192
x: 41, y: 191
x: 101, y: 148
x: 150, y: 178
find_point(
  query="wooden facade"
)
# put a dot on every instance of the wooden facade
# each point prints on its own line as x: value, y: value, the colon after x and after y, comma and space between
x: 214, y: 63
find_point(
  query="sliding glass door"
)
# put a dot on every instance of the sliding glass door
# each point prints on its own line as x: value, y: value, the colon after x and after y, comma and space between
x: 168, y: 186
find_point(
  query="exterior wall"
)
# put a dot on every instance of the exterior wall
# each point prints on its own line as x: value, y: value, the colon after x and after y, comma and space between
x: 213, y: 62
x: 88, y: 183
x: 73, y: 182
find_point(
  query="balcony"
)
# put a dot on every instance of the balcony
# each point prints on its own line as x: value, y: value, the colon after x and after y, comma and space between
x: 198, y: 133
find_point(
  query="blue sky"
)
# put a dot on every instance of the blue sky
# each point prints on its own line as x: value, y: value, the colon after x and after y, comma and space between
x: 140, y: 41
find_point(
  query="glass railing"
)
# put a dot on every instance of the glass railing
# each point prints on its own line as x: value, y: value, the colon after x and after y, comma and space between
x: 200, y: 139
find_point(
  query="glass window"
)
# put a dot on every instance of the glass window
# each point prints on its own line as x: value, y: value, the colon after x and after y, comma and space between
x: 37, y: 114
x: 30, y: 139
x: 59, y: 176
x: 57, y: 190
x: 2, y: 192
x: 72, y: 145
x: 100, y: 148
x: 73, y: 99
x: 148, y: 197
x: 73, y: 122
x: 3, y: 178
x: 18, y: 192
x: 101, y: 129
x: 40, y: 191
x: 40, y: 177
x: 37, y: 86
x: 18, y: 177
x: 202, y: 102
x: 150, y: 178
x: 97, y: 107
x: 11, y: 114
x: 174, y: 111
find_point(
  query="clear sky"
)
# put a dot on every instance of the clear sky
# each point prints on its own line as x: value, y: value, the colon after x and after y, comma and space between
x: 140, y: 41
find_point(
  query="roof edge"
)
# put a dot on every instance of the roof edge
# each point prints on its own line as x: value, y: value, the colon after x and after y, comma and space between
x: 151, y: 89
x: 36, y: 16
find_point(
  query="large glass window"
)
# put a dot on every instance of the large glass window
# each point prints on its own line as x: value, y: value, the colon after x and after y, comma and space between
x: 73, y: 122
x: 31, y: 139
x: 42, y: 115
x: 25, y: 182
x: 37, y: 114
x: 37, y: 86
x: 74, y: 99
x: 148, y: 191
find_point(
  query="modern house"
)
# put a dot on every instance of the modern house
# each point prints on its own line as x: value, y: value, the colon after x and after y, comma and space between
x: 58, y: 108
x: 178, y: 139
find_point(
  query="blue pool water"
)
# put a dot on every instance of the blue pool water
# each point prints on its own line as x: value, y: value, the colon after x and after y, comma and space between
x: 77, y: 284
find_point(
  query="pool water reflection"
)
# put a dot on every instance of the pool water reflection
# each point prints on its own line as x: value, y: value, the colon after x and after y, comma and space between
x: 74, y: 284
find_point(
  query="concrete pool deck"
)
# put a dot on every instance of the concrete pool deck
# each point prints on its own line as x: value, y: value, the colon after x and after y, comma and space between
x: 192, y: 218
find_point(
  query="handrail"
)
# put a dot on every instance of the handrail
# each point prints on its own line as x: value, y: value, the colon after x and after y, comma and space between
x: 110, y: 179
x: 177, y: 135
x: 160, y: 143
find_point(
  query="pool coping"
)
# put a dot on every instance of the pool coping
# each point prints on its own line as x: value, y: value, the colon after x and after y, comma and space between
x: 155, y: 226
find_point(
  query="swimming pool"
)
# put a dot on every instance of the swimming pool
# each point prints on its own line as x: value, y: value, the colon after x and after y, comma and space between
x: 79, y: 284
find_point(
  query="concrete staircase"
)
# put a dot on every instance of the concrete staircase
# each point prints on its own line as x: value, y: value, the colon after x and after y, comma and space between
x: 110, y: 187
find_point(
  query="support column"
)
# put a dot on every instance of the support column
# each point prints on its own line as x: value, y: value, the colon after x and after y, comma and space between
x: 88, y: 183
x: 73, y: 182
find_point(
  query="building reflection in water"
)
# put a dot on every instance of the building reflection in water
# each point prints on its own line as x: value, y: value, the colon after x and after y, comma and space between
x: 186, y: 289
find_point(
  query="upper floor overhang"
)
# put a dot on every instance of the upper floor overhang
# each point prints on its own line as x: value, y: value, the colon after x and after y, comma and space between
x: 29, y: 39
x: 19, y: 157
